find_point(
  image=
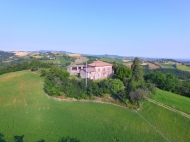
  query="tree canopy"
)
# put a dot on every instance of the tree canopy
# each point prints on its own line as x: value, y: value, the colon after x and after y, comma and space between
x: 137, y: 71
x: 122, y: 72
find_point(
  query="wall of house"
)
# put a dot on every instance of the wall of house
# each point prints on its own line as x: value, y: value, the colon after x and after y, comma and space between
x: 83, y: 74
x: 101, y: 72
x: 74, y: 70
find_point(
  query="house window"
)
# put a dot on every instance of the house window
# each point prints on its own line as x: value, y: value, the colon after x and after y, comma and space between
x: 98, y: 69
x: 103, y: 69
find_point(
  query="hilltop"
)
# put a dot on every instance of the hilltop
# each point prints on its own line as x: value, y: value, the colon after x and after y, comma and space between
x: 28, y: 112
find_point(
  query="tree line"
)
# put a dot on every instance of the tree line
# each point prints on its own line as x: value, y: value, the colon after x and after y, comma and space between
x: 127, y: 83
x: 58, y: 82
x: 179, y: 73
x: 33, y: 65
x: 169, y: 82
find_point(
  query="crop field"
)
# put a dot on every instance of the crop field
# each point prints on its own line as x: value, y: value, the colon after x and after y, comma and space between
x: 25, y: 110
x: 20, y: 54
x: 183, y: 68
x: 111, y: 60
x: 173, y: 100
x: 163, y: 65
x: 153, y: 66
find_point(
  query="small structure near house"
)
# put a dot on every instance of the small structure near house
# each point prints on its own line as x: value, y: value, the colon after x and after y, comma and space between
x: 94, y: 71
x: 75, y: 69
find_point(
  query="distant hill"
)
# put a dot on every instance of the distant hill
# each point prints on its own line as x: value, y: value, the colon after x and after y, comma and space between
x: 5, y: 55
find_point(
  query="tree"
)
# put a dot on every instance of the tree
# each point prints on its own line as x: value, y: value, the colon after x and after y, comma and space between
x: 184, y: 89
x: 157, y: 78
x: 171, y: 82
x: 168, y: 82
x: 122, y: 72
x: 2, y: 138
x: 138, y: 95
x: 35, y: 63
x: 137, y: 71
x: 137, y: 89
x: 44, y: 72
x: 114, y: 66
x: 114, y: 84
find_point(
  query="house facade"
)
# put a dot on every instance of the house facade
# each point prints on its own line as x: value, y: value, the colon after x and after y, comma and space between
x: 94, y: 71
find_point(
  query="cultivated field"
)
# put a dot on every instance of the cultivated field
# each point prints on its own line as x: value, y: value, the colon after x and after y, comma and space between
x: 183, y: 68
x: 173, y: 100
x: 166, y: 65
x: 153, y: 66
x: 25, y: 110
x: 21, y: 54
x: 126, y: 61
x: 74, y: 55
x: 111, y: 60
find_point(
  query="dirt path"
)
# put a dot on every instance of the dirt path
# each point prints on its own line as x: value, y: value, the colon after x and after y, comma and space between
x: 169, y: 108
x: 102, y: 102
x: 75, y: 100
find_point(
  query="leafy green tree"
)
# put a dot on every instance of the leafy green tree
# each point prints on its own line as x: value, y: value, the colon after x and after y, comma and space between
x: 122, y: 72
x: 44, y: 72
x: 171, y: 82
x: 184, y: 89
x: 157, y: 78
x: 168, y: 82
x: 137, y: 88
x: 115, y: 85
x: 53, y: 81
x: 35, y: 64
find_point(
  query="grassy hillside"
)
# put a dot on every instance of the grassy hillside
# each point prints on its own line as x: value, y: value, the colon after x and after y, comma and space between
x: 179, y: 102
x: 174, y: 126
x: 111, y: 60
x: 163, y: 65
x: 183, y: 68
x: 26, y: 110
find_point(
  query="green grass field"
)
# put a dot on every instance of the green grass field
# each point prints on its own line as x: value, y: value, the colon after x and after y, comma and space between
x: 111, y: 60
x: 26, y: 110
x: 170, y: 66
x: 183, y: 68
x: 179, y: 102
x: 49, y: 61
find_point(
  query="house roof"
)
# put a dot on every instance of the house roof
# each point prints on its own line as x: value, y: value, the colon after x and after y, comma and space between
x: 99, y: 64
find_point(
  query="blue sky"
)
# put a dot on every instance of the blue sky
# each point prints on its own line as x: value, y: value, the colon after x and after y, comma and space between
x: 131, y: 28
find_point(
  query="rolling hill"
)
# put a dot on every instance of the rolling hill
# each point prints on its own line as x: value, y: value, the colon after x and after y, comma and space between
x: 25, y: 110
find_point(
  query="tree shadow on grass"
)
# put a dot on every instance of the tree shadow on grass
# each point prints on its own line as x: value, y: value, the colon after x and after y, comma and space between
x: 2, y: 138
x: 68, y: 139
x: 19, y: 138
x: 42, y: 140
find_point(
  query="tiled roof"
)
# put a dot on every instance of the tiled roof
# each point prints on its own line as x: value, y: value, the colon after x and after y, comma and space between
x: 99, y: 64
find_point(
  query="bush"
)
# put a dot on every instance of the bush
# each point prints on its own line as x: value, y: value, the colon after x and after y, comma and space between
x: 138, y: 95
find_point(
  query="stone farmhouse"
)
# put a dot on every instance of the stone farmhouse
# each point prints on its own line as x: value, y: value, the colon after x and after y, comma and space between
x: 94, y: 71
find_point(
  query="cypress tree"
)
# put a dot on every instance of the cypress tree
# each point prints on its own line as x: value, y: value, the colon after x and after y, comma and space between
x: 137, y: 71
